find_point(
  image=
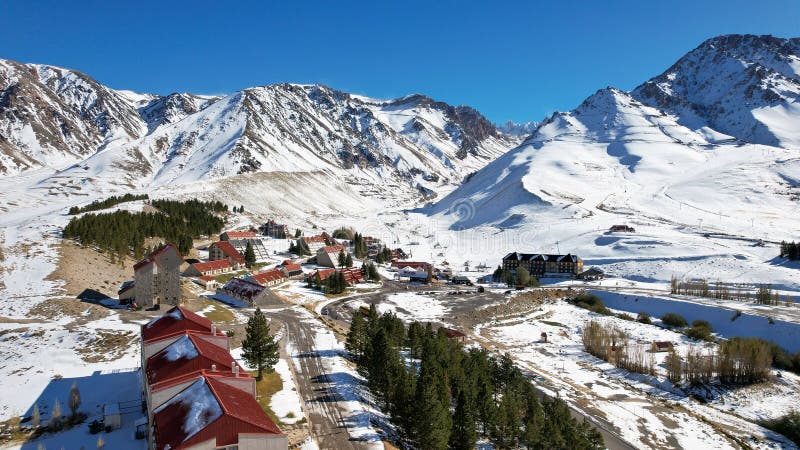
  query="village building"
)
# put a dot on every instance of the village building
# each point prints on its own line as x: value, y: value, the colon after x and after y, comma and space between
x: 210, y: 414
x: 455, y: 335
x: 315, y: 243
x: 157, y: 277
x: 398, y: 254
x: 230, y: 235
x: 259, y: 249
x: 541, y: 265
x: 275, y: 230
x: 621, y: 229
x: 461, y: 279
x: 328, y: 256
x: 244, y: 290
x: 290, y: 269
x: 418, y: 265
x: 196, y: 395
x: 216, y: 267
x: 592, y: 274
x: 209, y: 282
x: 352, y: 275
x: 269, y: 278
x: 224, y: 250
x: 126, y: 293
x: 661, y: 346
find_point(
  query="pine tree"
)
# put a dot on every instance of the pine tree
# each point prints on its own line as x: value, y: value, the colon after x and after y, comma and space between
x: 357, y: 336
x: 463, y: 435
x: 74, y: 399
x: 342, y: 259
x: 259, y: 348
x: 348, y: 261
x: 249, y: 255
x: 298, y: 233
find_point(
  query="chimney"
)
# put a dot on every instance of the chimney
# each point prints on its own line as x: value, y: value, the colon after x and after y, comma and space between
x: 213, y: 330
x: 213, y: 367
x: 235, y: 369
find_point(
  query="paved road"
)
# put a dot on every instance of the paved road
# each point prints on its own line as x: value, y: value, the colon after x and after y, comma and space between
x: 324, y: 416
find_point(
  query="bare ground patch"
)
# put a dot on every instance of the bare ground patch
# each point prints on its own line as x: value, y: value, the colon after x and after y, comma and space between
x: 84, y: 268
x: 105, y: 345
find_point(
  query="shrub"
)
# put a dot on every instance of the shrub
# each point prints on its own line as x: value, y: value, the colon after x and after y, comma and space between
x: 788, y: 425
x: 625, y: 316
x: 700, y: 330
x: 673, y: 320
x: 644, y: 318
x: 590, y: 302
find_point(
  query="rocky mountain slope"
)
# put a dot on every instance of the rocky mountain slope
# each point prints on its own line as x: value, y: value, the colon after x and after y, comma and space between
x: 678, y: 159
x: 60, y: 119
x: 744, y: 86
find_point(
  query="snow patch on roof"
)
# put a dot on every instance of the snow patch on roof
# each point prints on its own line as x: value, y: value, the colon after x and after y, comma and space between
x: 202, y: 407
x: 182, y: 348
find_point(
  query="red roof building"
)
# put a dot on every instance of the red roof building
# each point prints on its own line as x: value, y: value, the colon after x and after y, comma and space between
x: 244, y: 290
x: 215, y: 414
x: 269, y: 278
x: 185, y: 355
x: 177, y: 319
x: 224, y: 250
x: 208, y: 268
x: 352, y: 275
x: 228, y: 235
x: 290, y: 269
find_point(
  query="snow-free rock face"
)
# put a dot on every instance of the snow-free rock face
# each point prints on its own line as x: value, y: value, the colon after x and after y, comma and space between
x: 620, y: 155
x: 744, y: 86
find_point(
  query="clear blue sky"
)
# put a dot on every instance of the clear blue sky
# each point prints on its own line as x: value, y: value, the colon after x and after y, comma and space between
x: 510, y: 60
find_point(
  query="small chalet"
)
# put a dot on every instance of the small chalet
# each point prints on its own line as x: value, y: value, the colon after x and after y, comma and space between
x: 621, y: 229
x: 543, y: 337
x: 244, y: 290
x: 290, y: 269
x: 592, y: 274
x: 269, y: 278
x: 398, y: 254
x: 661, y: 346
x: 328, y: 256
x: 157, y: 277
x: 455, y: 335
x: 216, y: 267
x: 224, y: 250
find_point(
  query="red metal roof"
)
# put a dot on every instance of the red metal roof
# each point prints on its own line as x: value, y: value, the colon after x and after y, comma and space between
x: 240, y: 234
x: 209, y: 409
x: 451, y: 333
x: 151, y: 257
x: 229, y: 251
x: 197, y: 374
x: 333, y: 248
x: 213, y: 265
x: 177, y: 319
x: 270, y: 275
x: 186, y: 355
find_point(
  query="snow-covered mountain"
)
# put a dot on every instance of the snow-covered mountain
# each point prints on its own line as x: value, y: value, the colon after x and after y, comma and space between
x: 745, y: 86
x: 61, y: 119
x: 619, y: 157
